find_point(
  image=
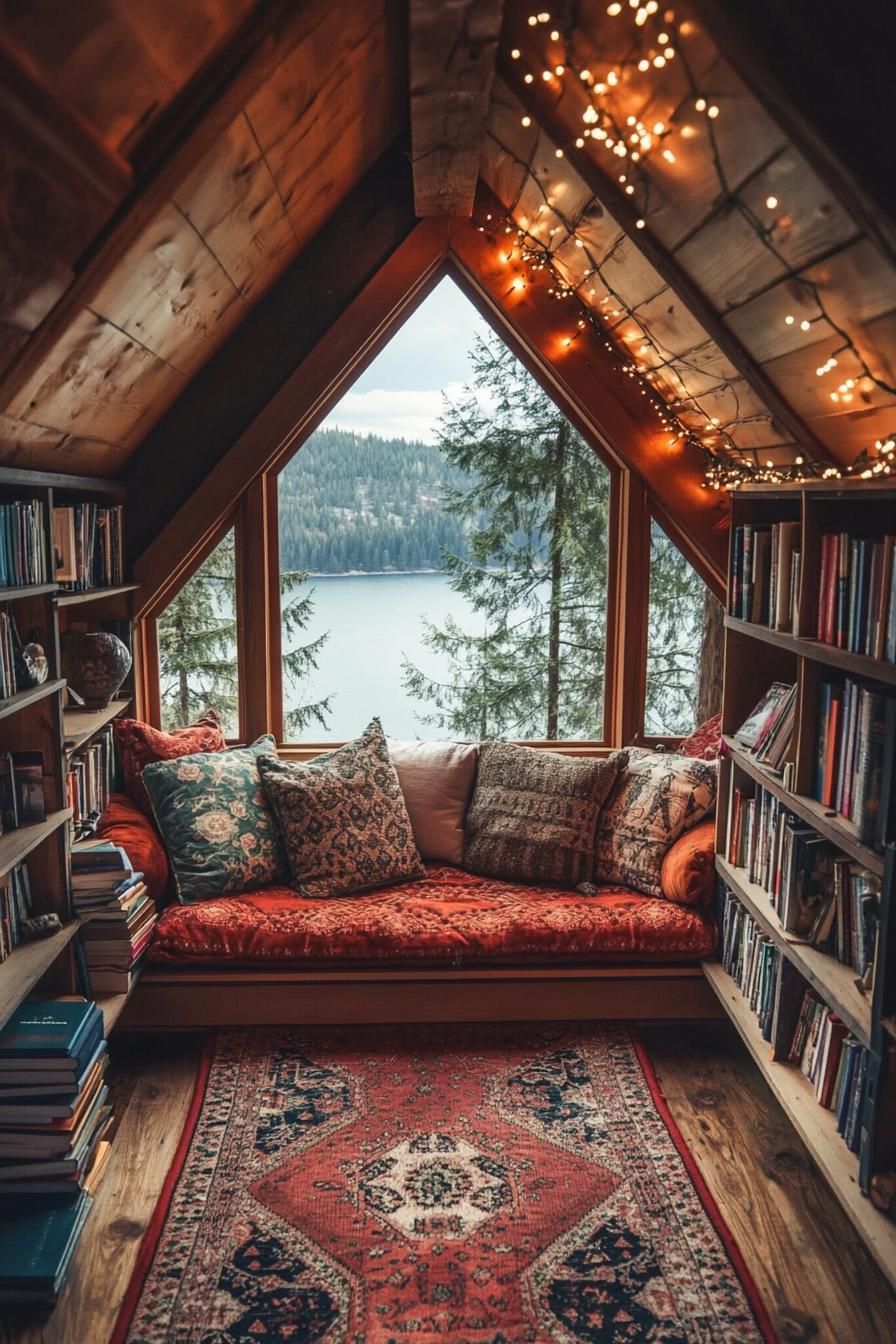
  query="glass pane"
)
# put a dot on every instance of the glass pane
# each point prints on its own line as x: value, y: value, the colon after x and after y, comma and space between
x: 443, y: 549
x: 675, y: 623
x: 197, y: 644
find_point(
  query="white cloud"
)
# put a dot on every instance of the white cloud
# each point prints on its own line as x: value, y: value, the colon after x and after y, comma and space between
x: 392, y: 414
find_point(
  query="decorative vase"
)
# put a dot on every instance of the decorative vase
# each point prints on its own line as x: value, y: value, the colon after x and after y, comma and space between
x: 94, y: 664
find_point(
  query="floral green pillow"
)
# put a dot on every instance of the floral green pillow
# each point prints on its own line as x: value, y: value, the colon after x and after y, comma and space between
x: 217, y: 826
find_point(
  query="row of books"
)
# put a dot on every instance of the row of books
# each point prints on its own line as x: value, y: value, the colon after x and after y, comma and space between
x: 88, y: 546
x: 855, y: 758
x: 54, y: 1120
x: 15, y: 907
x: 816, y: 891
x: 767, y: 731
x: 835, y: 1063
x: 8, y: 641
x: 857, y: 594
x: 815, y: 1039
x: 22, y: 801
x: 22, y: 549
x: 90, y: 778
x: 117, y: 913
x: 765, y: 574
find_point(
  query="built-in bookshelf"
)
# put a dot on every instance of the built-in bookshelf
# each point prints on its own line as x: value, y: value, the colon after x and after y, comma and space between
x: 806, y: 844
x: 44, y: 718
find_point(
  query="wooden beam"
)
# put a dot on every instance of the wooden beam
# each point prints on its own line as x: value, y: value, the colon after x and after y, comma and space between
x: 596, y: 394
x: 334, y: 357
x: 613, y: 199
x: 452, y: 58
x: 280, y: 27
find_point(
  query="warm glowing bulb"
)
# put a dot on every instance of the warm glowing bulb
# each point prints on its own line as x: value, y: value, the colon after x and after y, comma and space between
x: 771, y: 202
x: 700, y: 104
x: 614, y: 9
x: 546, y: 75
x: 559, y: 70
x: 566, y: 341
x: 532, y: 20
x: 528, y: 78
x: 555, y: 36
x: 544, y: 17
x: 712, y: 111
x: 668, y: 156
x: 518, y: 284
x: 586, y: 76
x: 515, y: 54
x: 663, y: 39
x: 805, y: 325
x: 558, y: 153
x: 659, y: 62
x: 639, y: 223
x: 789, y: 319
x: 629, y: 191
x: 659, y: 127
x: 643, y: 65
x: 526, y: 121
x: 580, y: 143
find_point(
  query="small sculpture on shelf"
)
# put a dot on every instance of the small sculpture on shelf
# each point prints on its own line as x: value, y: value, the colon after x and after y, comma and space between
x: 32, y: 664
x: 94, y: 663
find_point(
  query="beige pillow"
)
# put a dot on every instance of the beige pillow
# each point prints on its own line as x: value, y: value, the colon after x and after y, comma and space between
x: 534, y: 814
x: 658, y: 796
x: 437, y: 780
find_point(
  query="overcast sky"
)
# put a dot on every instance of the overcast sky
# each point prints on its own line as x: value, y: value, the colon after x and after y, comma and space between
x: 400, y: 394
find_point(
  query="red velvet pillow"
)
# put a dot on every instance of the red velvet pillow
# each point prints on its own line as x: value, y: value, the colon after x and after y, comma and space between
x: 124, y: 824
x: 705, y: 742
x: 689, y: 866
x: 139, y: 744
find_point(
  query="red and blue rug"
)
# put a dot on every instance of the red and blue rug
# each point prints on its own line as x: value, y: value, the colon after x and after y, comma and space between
x: 478, y: 1185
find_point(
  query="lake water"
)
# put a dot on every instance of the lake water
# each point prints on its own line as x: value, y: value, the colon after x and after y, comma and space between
x: 375, y: 622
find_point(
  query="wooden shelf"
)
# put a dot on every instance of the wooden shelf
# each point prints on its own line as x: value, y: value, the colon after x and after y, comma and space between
x: 94, y: 594
x: 26, y: 590
x: 17, y: 845
x: 833, y: 980
x: 856, y: 664
x: 112, y: 1006
x: 829, y: 824
x: 80, y: 725
x: 25, y: 966
x: 815, y: 1125
x: 13, y: 703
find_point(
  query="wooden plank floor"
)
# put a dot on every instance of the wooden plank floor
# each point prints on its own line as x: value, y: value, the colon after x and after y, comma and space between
x: 814, y: 1274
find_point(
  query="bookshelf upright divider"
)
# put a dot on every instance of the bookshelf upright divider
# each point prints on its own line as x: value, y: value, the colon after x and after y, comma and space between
x: 772, y: 966
x: 36, y: 718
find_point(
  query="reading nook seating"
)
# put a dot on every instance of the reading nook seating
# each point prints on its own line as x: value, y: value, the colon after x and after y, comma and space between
x: 447, y: 917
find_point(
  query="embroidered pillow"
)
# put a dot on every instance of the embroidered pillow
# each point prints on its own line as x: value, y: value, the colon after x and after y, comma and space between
x: 658, y: 796
x: 689, y: 867
x: 436, y: 780
x: 344, y: 822
x: 704, y: 742
x: 139, y: 744
x: 216, y: 823
x: 534, y: 814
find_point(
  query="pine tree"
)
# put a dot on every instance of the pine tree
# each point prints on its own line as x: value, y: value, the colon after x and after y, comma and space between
x: 536, y: 512
x: 197, y: 646
x: 676, y: 630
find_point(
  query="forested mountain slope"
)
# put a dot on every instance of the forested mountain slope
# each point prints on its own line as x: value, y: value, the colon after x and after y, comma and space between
x: 358, y: 502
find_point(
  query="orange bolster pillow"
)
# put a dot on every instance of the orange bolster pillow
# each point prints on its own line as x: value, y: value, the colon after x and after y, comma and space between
x: 687, y: 872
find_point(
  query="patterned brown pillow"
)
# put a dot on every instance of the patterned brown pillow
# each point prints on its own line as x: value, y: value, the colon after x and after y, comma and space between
x: 344, y: 822
x: 534, y: 814
x: 658, y: 796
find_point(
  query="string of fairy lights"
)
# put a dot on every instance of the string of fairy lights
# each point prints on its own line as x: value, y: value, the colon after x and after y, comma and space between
x: 628, y: 144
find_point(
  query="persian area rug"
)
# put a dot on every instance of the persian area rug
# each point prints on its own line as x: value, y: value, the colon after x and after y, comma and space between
x: 478, y: 1185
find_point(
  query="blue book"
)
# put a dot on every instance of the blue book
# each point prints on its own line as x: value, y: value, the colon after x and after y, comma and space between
x: 44, y: 1030
x: 37, y: 1240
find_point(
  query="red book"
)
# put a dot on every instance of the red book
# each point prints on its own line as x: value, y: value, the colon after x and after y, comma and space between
x: 831, y: 1062
x: 832, y: 750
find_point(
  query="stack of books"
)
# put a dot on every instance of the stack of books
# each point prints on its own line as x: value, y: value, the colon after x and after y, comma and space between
x: 37, y: 1241
x: 857, y: 594
x: 90, y: 776
x: 117, y: 914
x: 22, y: 556
x: 765, y: 575
x: 855, y: 772
x: 767, y: 732
x: 88, y: 545
x: 15, y: 906
x: 54, y: 1109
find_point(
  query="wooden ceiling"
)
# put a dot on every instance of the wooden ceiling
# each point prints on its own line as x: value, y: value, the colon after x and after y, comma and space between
x: 170, y: 160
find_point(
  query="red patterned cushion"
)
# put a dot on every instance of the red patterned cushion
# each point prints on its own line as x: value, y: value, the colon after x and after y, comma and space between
x: 124, y: 824
x: 704, y: 742
x: 139, y: 745
x: 446, y: 917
